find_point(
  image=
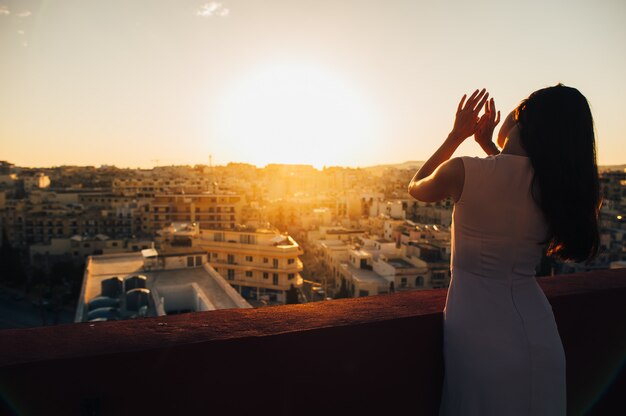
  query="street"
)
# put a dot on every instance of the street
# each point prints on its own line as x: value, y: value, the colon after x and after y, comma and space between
x: 22, y: 313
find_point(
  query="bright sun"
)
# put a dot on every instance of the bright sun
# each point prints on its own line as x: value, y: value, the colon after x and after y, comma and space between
x: 293, y: 113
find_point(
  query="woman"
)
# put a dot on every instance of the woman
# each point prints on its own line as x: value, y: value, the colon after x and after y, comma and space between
x: 503, y: 354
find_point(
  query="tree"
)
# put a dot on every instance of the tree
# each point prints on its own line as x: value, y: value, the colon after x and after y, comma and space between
x: 292, y: 296
x: 343, y: 290
x: 12, y: 269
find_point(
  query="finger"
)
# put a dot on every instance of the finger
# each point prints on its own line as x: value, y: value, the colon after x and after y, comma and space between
x: 483, y: 94
x: 481, y: 103
x: 461, y: 103
x: 492, y: 109
x: 497, y: 119
x: 471, y: 98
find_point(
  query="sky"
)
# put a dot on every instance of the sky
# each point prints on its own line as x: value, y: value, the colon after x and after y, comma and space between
x: 138, y: 83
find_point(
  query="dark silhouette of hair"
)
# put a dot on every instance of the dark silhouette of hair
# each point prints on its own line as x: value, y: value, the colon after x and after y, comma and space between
x: 556, y: 130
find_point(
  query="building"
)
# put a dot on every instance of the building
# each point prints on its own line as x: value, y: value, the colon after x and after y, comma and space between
x: 149, y: 283
x: 149, y: 186
x: 208, y: 210
x: 261, y: 264
x: 78, y: 247
x: 359, y: 276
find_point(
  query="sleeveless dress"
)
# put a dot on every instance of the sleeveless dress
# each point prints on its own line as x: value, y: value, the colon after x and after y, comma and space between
x: 502, y: 351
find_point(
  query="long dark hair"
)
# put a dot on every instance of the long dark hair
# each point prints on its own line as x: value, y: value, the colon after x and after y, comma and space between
x: 556, y: 130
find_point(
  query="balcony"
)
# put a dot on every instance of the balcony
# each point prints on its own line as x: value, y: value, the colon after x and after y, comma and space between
x: 374, y: 355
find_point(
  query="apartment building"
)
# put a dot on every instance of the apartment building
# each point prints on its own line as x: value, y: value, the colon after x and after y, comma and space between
x: 261, y: 264
x: 78, y: 247
x: 147, y: 187
x: 208, y: 210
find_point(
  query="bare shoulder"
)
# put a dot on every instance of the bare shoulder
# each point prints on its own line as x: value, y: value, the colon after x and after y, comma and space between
x: 453, y: 167
x: 445, y: 182
x: 454, y: 172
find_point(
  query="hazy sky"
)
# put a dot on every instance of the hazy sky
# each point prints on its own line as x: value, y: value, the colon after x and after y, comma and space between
x: 346, y: 82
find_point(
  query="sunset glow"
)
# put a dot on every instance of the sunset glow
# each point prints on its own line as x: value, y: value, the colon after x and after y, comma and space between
x: 349, y: 83
x: 282, y: 108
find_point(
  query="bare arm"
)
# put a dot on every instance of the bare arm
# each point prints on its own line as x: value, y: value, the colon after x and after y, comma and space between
x: 439, y: 177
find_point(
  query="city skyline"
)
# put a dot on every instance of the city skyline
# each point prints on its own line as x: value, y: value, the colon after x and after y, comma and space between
x: 320, y: 83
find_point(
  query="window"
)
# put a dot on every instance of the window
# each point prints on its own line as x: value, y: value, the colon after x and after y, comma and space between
x: 198, y: 260
x: 291, y: 261
x: 419, y: 281
x: 249, y: 258
x: 363, y: 293
x: 190, y: 261
x: 403, y: 282
x: 290, y: 276
x: 275, y: 278
x: 231, y: 274
x: 249, y: 273
x: 266, y: 275
x: 218, y: 237
x: 231, y: 259
x: 275, y: 263
x: 265, y: 260
x: 247, y: 238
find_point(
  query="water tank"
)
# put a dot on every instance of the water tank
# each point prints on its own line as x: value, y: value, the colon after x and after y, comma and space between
x: 137, y: 281
x: 103, y: 302
x: 136, y: 298
x: 112, y: 287
x: 108, y: 312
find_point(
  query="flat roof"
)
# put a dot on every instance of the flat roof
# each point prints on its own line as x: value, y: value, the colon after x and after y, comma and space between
x: 183, y: 251
x: 343, y: 231
x: 367, y: 276
x: 334, y: 244
x: 214, y: 287
x: 361, y: 253
x: 198, y: 275
x: 400, y: 263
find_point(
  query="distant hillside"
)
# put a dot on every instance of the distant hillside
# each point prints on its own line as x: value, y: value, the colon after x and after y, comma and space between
x: 611, y: 167
x: 406, y: 165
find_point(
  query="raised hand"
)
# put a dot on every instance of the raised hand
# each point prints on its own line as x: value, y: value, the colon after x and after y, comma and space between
x: 486, y: 124
x: 466, y: 120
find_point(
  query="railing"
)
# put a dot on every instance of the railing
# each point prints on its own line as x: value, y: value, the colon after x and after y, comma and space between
x: 373, y: 355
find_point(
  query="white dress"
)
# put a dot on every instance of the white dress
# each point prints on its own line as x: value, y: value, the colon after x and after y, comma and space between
x: 502, y: 351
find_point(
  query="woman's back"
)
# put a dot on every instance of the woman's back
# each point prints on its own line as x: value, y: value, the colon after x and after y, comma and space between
x: 498, y: 227
x: 502, y: 351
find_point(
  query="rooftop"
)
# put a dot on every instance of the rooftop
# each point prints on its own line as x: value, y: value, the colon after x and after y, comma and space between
x: 399, y: 263
x: 183, y: 284
x: 365, y: 275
